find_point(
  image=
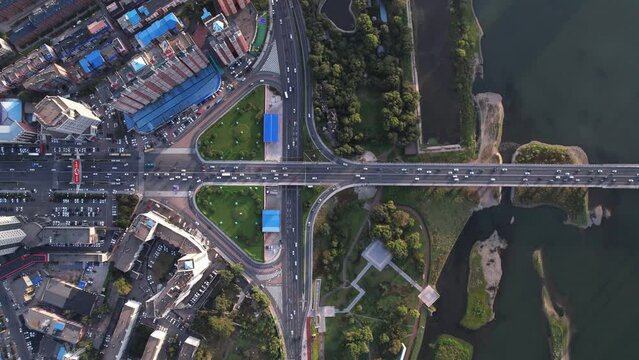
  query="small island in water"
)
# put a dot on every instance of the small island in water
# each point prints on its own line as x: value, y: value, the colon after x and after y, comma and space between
x: 559, y: 324
x: 574, y: 201
x: 484, y: 275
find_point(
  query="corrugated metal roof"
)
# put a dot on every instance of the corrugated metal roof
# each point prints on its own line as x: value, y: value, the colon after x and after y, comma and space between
x: 270, y: 221
x: 271, y: 128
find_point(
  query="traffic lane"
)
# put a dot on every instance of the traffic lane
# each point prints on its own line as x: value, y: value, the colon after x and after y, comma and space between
x: 14, y: 325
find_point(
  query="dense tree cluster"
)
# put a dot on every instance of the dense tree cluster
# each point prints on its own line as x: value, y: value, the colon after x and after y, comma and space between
x: 344, y: 63
x: 465, y: 37
x: 357, y: 340
x: 391, y: 225
x: 126, y: 206
x: 337, y: 233
x: 251, y: 323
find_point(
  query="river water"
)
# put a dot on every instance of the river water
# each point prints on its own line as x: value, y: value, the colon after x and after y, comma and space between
x: 568, y: 72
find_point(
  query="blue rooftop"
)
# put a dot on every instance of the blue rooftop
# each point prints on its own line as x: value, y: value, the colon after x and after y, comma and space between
x: 205, y: 14
x: 82, y: 284
x: 61, y: 353
x: 193, y: 91
x: 270, y: 221
x: 271, y: 128
x: 157, y: 29
x: 93, y: 61
x: 58, y: 326
x: 36, y: 280
x: 133, y: 17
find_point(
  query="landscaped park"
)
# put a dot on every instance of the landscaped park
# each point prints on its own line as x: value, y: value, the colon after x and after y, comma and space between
x: 236, y: 210
x: 238, y: 134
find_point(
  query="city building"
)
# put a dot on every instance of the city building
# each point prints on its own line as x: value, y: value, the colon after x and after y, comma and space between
x: 15, y: 74
x: 50, y: 79
x: 65, y: 235
x: 154, y: 345
x: 13, y: 127
x: 191, y: 266
x: 62, y: 117
x: 45, y: 18
x: 122, y: 332
x: 67, y: 296
x: 226, y: 39
x: 169, y: 75
x: 11, y: 234
x: 5, y: 48
x: 189, y: 348
x: 230, y: 7
x: 54, y: 325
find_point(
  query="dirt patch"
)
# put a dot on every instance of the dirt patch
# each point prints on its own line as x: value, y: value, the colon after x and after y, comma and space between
x: 489, y: 251
x: 491, y: 118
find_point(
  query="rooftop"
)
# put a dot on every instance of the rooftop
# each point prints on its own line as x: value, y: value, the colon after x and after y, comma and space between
x: 122, y: 331
x: 66, y: 296
x: 52, y: 324
x: 157, y: 29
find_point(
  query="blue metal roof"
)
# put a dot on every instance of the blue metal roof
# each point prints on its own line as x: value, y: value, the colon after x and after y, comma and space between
x: 193, y: 91
x: 133, y: 17
x: 270, y: 221
x: 157, y: 29
x: 58, y: 326
x: 205, y: 14
x: 271, y: 128
x: 93, y: 61
x: 82, y: 284
x: 36, y: 280
x: 61, y: 353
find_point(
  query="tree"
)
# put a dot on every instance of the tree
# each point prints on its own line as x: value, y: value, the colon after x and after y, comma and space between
x: 123, y: 286
x: 226, y: 277
x: 398, y: 248
x: 357, y: 340
x: 382, y: 232
x: 221, y: 303
x: 237, y: 269
x: 260, y: 298
x: 414, y: 241
x: 221, y: 326
x: 402, y: 219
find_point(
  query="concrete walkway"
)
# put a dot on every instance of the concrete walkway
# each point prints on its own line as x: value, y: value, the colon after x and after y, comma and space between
x: 405, y: 276
x: 359, y: 289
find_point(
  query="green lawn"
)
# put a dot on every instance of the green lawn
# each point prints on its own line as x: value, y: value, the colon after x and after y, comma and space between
x: 343, y: 221
x: 163, y: 266
x: 372, y: 125
x: 451, y: 348
x: 309, y: 195
x: 445, y: 212
x: 340, y: 298
x: 237, y: 210
x: 478, y: 309
x: 385, y: 292
x: 238, y: 134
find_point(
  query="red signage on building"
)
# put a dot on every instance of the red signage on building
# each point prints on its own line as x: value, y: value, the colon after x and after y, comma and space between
x: 76, y: 171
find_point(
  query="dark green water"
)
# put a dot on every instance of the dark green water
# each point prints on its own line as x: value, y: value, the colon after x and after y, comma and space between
x: 568, y: 71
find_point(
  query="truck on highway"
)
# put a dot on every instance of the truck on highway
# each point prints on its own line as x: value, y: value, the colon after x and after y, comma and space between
x: 149, y: 165
x: 286, y: 94
x: 226, y: 174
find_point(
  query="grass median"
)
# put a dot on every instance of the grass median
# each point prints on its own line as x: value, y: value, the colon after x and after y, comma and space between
x: 238, y: 134
x: 237, y: 211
